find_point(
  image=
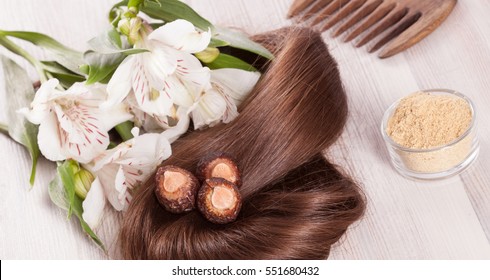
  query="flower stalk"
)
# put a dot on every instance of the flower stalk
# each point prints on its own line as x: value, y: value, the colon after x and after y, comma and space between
x: 4, y: 128
x: 124, y: 130
x: 11, y: 46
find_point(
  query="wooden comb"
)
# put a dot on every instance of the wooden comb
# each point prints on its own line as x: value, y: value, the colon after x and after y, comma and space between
x: 406, y: 21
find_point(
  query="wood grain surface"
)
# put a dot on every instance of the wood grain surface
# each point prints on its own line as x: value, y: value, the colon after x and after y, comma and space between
x: 406, y: 219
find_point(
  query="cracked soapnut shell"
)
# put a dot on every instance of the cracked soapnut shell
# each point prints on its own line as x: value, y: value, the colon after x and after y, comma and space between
x: 219, y: 201
x: 176, y: 189
x: 219, y: 165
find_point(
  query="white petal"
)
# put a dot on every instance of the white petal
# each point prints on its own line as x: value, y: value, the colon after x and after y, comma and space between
x: 92, y: 95
x: 231, y: 109
x: 235, y: 82
x: 78, y: 89
x: 174, y: 132
x: 120, y: 197
x: 45, y: 92
x: 152, y: 147
x: 108, y: 176
x: 114, y: 115
x: 120, y: 83
x: 87, y: 136
x: 41, y: 104
x: 49, y: 139
x: 190, y: 70
x: 158, y: 64
x: 93, y: 205
x: 135, y: 131
x: 208, y: 110
x: 182, y: 35
x: 140, y: 83
x: 158, y: 103
x: 112, y: 155
x: 178, y: 92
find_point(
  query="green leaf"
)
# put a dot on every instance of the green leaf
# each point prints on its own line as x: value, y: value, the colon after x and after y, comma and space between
x: 240, y: 40
x: 228, y: 61
x: 215, y: 43
x: 106, y: 54
x: 58, y: 195
x: 110, y: 43
x: 67, y: 57
x: 67, y: 172
x: 170, y: 10
x: 101, y: 66
x: 19, y: 93
x: 66, y: 77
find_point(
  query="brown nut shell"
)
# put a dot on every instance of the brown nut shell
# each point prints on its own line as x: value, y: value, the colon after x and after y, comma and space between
x: 219, y: 165
x: 176, y: 189
x: 219, y: 201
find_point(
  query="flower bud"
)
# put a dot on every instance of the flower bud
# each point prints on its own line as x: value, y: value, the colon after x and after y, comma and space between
x: 208, y: 55
x: 130, y: 28
x: 83, y: 180
x: 124, y: 26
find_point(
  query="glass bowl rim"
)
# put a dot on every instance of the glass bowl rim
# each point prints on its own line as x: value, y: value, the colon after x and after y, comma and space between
x: 392, y: 107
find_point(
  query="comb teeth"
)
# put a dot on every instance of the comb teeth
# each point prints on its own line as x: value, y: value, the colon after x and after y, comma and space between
x: 399, y: 23
x: 378, y: 14
x: 349, y: 8
x: 364, y: 11
x: 329, y: 10
x: 298, y: 6
x: 392, y: 18
x: 314, y: 9
x: 407, y: 21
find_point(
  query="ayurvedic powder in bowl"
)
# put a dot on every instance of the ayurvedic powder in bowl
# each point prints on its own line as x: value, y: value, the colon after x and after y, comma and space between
x: 424, y: 121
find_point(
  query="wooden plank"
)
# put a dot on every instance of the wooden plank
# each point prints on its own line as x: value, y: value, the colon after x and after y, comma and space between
x: 448, y: 219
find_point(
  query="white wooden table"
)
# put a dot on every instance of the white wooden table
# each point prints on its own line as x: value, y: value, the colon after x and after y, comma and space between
x: 448, y: 219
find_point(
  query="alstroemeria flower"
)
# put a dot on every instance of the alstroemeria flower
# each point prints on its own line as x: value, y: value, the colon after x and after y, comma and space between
x: 71, y: 124
x: 178, y: 120
x: 156, y: 76
x: 219, y: 100
x: 122, y: 169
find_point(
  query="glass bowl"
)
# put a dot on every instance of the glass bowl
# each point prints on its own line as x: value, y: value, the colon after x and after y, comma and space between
x: 438, y: 162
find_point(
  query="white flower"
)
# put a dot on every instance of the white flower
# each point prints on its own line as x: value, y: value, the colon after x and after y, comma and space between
x: 122, y: 169
x: 71, y: 124
x: 219, y: 100
x: 178, y: 121
x: 158, y: 76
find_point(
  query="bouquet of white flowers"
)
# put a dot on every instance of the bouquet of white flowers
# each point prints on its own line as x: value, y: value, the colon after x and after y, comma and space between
x: 108, y: 116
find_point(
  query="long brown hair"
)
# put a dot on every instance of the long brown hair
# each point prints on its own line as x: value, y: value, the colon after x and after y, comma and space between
x: 295, y: 203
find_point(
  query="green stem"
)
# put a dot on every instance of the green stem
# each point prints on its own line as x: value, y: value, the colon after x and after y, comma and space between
x: 4, y: 129
x: 11, y: 46
x: 135, y: 3
x: 124, y: 130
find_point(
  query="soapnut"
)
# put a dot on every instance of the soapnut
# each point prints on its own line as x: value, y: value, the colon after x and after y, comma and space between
x: 219, y: 165
x: 219, y: 201
x: 176, y: 189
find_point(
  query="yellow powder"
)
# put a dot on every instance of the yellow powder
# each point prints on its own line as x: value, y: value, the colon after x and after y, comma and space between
x: 424, y: 121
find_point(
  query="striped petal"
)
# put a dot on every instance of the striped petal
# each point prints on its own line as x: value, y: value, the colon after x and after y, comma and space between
x: 86, y: 134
